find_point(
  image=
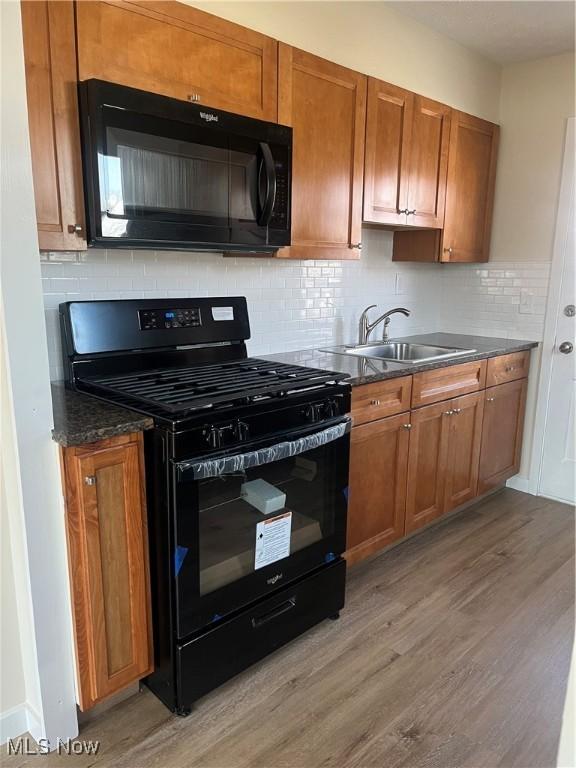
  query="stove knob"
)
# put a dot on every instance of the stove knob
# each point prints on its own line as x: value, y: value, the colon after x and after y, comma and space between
x: 212, y: 436
x: 310, y: 413
x: 242, y: 431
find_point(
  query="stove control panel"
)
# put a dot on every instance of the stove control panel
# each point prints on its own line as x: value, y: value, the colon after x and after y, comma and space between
x: 161, y: 319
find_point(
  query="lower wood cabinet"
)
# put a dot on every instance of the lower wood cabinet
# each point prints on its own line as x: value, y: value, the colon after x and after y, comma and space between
x: 377, y: 500
x: 427, y: 460
x: 465, y: 437
x: 108, y: 557
x: 502, y: 433
x: 409, y: 469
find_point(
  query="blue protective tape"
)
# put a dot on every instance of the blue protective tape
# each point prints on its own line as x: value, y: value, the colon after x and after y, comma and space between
x: 179, y: 556
x: 345, y: 492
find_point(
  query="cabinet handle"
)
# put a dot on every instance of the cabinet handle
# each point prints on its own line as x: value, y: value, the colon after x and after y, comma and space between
x: 374, y: 402
x: 411, y: 213
x: 356, y: 245
x: 448, y: 250
x: 194, y: 97
x: 74, y: 229
x: 448, y: 413
x: 457, y: 411
x: 489, y: 399
x: 510, y: 368
x: 403, y: 210
x: 90, y: 480
x: 406, y: 426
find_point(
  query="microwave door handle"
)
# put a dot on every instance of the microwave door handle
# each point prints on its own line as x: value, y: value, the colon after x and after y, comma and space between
x: 267, y: 165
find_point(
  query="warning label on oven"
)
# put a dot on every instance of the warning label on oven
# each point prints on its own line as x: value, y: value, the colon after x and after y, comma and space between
x: 272, y: 539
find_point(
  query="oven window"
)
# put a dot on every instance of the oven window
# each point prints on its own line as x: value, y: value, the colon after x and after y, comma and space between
x: 256, y: 517
x: 172, y: 179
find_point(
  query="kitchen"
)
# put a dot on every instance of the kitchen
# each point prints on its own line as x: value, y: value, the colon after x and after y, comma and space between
x: 299, y: 307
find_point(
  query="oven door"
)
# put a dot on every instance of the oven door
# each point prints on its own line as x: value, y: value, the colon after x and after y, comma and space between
x: 247, y: 524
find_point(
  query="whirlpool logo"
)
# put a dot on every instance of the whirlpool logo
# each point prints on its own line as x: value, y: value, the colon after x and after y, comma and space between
x: 209, y: 117
x: 274, y: 579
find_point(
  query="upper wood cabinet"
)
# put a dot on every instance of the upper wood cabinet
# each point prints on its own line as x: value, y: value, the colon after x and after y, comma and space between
x: 377, y: 502
x: 470, y: 189
x: 326, y: 106
x: 469, y: 198
x: 386, y: 168
x: 428, y: 163
x: 406, y: 162
x: 108, y: 555
x: 50, y: 62
x: 175, y: 50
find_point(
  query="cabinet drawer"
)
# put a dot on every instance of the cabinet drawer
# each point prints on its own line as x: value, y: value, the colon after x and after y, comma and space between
x: 444, y: 383
x: 507, y: 368
x: 383, y: 398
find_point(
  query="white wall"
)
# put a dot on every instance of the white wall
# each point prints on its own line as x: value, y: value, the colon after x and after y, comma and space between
x: 379, y: 41
x: 537, y: 98
x: 12, y: 681
x: 29, y: 457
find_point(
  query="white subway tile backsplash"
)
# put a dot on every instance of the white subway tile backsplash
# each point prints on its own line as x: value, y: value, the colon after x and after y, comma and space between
x: 304, y: 304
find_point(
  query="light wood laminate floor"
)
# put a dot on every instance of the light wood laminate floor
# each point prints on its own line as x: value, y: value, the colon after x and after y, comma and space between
x: 453, y: 650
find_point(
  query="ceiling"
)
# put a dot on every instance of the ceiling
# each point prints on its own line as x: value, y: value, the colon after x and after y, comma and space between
x: 501, y: 30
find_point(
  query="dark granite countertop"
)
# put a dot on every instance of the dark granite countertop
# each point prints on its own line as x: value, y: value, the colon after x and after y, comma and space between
x: 81, y: 419
x: 363, y: 370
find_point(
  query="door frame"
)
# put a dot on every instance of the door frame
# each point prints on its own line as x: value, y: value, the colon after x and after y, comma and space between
x: 559, y: 254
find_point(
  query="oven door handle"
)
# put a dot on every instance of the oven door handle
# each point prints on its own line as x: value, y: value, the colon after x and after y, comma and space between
x: 225, y: 465
x: 267, y: 201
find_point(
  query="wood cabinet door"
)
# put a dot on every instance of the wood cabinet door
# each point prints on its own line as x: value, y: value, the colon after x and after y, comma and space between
x: 326, y: 106
x: 51, y: 76
x: 108, y: 553
x: 428, y: 163
x: 502, y: 430
x: 427, y: 462
x: 175, y: 50
x: 465, y: 436
x: 470, y: 188
x: 386, y: 170
x: 377, y: 498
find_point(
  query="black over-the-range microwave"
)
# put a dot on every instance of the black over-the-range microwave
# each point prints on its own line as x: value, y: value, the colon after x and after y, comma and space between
x: 168, y: 174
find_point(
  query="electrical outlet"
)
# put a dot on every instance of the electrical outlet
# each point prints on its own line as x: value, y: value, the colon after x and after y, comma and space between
x: 526, y: 306
x: 399, y: 285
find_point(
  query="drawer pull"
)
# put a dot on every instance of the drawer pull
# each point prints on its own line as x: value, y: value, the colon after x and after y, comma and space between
x: 90, y: 480
x: 510, y: 368
x: 448, y: 413
x: 287, y: 605
x: 457, y: 411
x: 489, y: 399
x: 406, y: 426
x: 374, y: 402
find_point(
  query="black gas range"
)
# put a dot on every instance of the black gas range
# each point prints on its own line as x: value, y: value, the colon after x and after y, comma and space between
x: 247, y: 480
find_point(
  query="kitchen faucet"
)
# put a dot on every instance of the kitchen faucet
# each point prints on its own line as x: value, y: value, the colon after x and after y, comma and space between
x: 366, y: 328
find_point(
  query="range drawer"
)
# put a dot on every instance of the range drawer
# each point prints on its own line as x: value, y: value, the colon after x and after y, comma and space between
x: 443, y: 383
x: 381, y: 399
x: 230, y: 647
x: 507, y: 368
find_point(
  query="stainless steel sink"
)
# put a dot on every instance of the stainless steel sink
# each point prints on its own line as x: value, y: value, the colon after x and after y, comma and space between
x: 400, y: 351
